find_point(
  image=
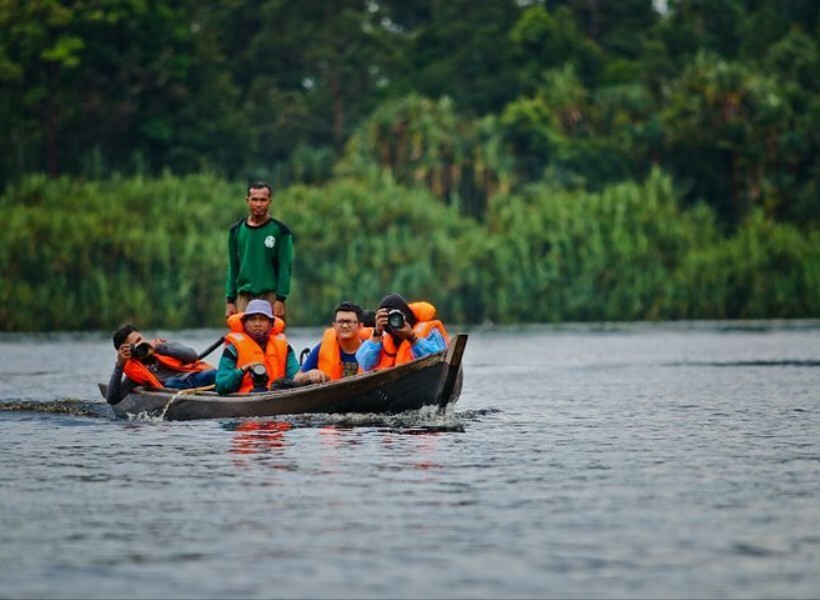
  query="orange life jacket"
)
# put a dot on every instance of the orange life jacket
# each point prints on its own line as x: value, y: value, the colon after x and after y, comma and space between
x: 330, y: 353
x: 274, y: 356
x: 392, y: 356
x: 137, y: 372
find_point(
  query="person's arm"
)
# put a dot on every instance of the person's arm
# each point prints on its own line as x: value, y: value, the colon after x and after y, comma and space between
x: 233, y: 269
x: 118, y: 386
x: 312, y: 361
x: 284, y: 259
x: 431, y: 344
x: 228, y: 376
x: 369, y: 353
x: 292, y: 364
x: 280, y: 309
x: 177, y: 350
x: 310, y: 373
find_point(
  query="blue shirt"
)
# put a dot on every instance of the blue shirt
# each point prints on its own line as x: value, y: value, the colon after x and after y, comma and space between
x: 370, y: 352
x: 350, y: 366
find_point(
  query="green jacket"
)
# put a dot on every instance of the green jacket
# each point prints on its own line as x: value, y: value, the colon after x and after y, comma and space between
x: 260, y: 259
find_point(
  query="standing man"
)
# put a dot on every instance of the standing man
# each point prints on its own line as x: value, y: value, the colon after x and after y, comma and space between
x: 260, y: 256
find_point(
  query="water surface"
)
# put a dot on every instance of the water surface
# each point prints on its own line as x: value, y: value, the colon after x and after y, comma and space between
x: 675, y: 460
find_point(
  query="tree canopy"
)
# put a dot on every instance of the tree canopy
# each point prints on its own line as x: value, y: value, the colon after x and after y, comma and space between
x: 724, y: 96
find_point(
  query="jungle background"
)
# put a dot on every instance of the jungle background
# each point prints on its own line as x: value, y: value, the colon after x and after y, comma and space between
x: 509, y: 161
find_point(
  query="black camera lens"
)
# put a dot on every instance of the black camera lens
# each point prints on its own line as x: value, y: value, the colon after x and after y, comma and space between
x: 395, y: 319
x: 140, y: 351
x: 259, y: 377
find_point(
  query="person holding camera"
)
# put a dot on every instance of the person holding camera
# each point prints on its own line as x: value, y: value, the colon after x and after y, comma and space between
x: 257, y: 353
x: 402, y: 332
x: 335, y: 356
x: 154, y: 363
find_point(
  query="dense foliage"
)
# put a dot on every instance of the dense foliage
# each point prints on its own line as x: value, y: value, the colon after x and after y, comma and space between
x: 91, y: 255
x: 471, y: 98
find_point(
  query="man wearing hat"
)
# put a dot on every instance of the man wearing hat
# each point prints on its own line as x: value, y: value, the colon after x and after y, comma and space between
x: 256, y: 351
x: 402, y: 332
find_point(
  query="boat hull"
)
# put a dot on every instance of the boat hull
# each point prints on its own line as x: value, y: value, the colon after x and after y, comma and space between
x: 433, y: 380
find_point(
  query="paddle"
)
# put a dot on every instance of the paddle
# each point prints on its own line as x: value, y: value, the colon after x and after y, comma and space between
x: 211, y: 348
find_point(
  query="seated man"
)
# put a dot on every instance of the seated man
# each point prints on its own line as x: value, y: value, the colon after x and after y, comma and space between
x: 335, y: 356
x: 155, y: 363
x: 257, y: 354
x: 402, y: 332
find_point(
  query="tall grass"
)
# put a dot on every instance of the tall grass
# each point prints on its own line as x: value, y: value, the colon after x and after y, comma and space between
x: 88, y: 255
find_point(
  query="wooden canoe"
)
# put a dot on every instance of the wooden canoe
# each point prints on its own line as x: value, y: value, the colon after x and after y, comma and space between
x: 431, y: 381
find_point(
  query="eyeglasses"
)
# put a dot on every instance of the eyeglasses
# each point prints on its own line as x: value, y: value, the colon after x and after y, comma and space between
x: 345, y: 322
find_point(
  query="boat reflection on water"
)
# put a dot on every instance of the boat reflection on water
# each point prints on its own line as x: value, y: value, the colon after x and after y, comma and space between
x: 254, y: 437
x: 267, y: 440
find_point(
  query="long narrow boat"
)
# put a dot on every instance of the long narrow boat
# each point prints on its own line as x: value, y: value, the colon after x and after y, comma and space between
x: 433, y: 380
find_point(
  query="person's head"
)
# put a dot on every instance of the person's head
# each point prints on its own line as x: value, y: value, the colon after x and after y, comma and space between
x: 396, y: 301
x: 347, y: 319
x: 122, y: 334
x: 130, y: 335
x: 259, y: 198
x: 257, y: 320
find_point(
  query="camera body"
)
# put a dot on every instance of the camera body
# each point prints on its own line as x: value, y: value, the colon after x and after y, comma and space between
x: 259, y: 377
x: 395, y: 319
x: 140, y: 350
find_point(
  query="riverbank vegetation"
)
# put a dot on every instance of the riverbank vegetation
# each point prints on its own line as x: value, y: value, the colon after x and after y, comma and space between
x: 86, y: 256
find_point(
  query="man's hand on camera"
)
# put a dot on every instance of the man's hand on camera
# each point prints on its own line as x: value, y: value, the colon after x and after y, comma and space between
x: 380, y: 321
x: 123, y: 353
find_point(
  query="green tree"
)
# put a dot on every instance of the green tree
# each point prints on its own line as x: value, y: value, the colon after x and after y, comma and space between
x: 156, y: 92
x: 693, y: 26
x: 104, y: 86
x: 544, y: 41
x: 310, y: 69
x: 722, y: 121
x: 40, y: 52
x: 577, y: 137
x: 617, y: 27
x: 418, y: 142
x: 794, y: 62
x: 460, y: 49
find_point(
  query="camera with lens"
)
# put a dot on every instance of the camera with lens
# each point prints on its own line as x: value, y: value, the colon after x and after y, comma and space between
x: 140, y: 350
x: 259, y: 377
x: 395, y: 319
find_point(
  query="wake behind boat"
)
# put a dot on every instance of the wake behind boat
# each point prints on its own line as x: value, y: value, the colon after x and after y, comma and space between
x: 430, y: 381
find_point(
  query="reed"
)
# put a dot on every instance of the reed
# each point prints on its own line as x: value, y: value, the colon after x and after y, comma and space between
x: 88, y: 255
